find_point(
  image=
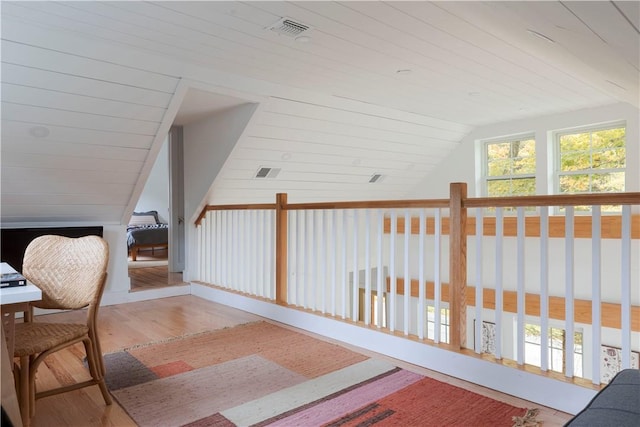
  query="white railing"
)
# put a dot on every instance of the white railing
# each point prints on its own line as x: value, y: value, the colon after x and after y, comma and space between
x: 392, y: 265
x: 237, y: 252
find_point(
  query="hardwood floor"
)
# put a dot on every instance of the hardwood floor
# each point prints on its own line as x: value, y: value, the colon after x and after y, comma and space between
x: 153, y: 276
x: 125, y: 325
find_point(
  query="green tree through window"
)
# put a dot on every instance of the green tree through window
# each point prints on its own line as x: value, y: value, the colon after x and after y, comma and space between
x: 591, y: 161
x: 511, y: 167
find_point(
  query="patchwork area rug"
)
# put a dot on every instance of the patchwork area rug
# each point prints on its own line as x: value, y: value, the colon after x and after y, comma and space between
x: 260, y: 374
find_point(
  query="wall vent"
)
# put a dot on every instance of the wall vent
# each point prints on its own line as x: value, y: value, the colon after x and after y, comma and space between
x: 267, y: 172
x: 289, y: 27
x: 376, y: 177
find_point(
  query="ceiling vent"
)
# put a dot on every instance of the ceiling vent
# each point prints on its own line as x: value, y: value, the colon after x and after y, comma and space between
x: 267, y: 172
x: 376, y: 177
x: 288, y: 27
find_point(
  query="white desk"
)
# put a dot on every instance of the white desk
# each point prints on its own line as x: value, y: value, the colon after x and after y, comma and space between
x: 14, y: 300
x: 18, y: 294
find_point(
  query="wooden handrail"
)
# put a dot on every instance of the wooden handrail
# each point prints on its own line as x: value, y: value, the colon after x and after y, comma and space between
x: 630, y: 198
x: 242, y: 207
x: 372, y: 204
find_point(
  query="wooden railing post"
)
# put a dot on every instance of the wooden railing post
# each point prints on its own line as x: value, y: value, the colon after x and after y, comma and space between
x: 458, y: 264
x: 281, y: 248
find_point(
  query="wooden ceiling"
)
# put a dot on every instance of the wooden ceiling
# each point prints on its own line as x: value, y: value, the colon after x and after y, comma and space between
x: 89, y: 90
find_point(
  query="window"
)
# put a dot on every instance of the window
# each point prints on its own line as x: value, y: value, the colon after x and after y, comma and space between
x: 591, y: 161
x: 510, y: 167
x: 557, y: 336
x: 444, y: 323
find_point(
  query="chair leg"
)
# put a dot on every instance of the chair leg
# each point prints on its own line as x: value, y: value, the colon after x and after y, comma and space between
x: 25, y: 391
x: 95, y: 369
x: 33, y: 368
x: 99, y: 355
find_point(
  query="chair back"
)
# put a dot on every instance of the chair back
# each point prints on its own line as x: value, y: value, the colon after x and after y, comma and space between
x: 71, y: 272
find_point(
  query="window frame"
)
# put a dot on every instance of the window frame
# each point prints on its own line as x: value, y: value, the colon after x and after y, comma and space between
x: 445, y: 322
x: 485, y: 159
x: 577, y: 353
x: 557, y: 155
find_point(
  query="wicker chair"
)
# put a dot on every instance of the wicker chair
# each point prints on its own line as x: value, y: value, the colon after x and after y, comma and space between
x: 71, y: 272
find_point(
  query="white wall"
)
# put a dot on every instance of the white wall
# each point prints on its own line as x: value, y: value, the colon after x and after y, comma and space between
x: 155, y: 195
x: 117, y: 290
x: 207, y: 145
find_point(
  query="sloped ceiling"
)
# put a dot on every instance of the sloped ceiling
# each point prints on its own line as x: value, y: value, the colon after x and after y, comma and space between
x: 89, y: 90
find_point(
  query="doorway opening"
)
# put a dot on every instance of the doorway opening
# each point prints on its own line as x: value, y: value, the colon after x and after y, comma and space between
x: 152, y: 245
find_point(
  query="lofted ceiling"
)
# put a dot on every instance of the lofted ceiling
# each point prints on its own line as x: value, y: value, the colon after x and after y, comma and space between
x: 90, y: 89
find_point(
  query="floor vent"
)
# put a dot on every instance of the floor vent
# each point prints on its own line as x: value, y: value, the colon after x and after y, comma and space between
x: 267, y: 172
x: 289, y: 27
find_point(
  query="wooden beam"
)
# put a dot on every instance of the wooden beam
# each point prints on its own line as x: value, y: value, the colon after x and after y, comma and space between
x: 611, y: 313
x: 611, y: 226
